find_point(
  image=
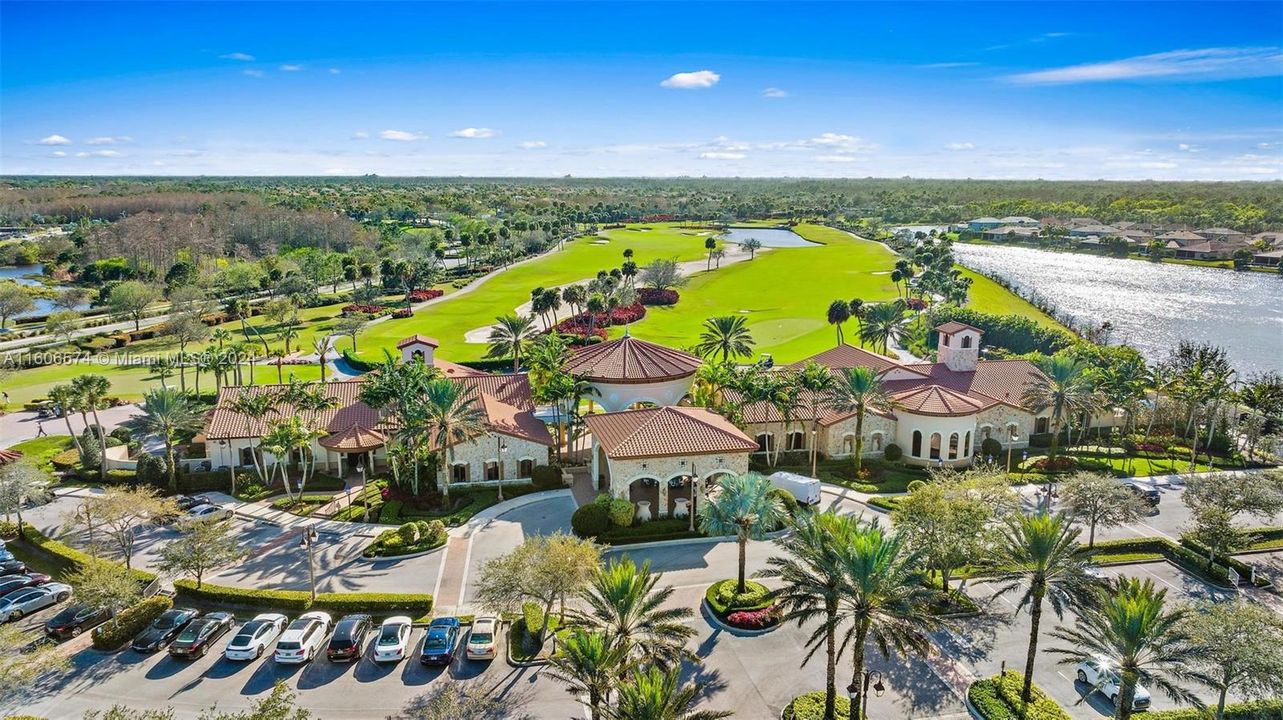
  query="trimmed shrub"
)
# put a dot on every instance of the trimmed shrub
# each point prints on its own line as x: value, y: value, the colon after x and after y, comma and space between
x: 8, y: 529
x: 892, y: 453
x: 990, y: 447
x: 811, y: 706
x: 653, y: 296
x: 915, y: 485
x: 546, y: 477
x: 131, y: 621
x: 60, y: 559
x: 151, y: 471
x: 409, y: 532
x: 621, y: 512
x: 590, y: 520
x: 998, y: 698
x: 722, y: 598
x: 1257, y: 710
x: 416, y: 603
x: 662, y: 529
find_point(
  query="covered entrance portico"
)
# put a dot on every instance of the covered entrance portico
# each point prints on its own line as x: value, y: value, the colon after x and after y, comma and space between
x: 358, y: 450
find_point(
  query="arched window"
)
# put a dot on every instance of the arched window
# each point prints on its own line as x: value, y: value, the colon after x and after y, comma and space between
x: 459, y: 472
x: 935, y: 446
x: 526, y: 468
x: 944, y: 339
x: 953, y: 446
x: 848, y: 444
x: 966, y: 445
x: 492, y: 470
x: 917, y: 443
x: 765, y: 442
x: 877, y: 441
x: 797, y: 440
x: 966, y: 341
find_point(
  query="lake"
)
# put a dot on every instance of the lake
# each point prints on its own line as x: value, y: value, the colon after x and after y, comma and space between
x: 769, y: 237
x: 1152, y: 306
x: 17, y: 273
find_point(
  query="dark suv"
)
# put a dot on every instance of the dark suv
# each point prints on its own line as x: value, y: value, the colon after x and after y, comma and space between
x: 348, y: 641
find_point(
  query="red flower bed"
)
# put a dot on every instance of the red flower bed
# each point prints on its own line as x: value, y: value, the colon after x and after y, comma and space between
x: 1150, y: 447
x: 402, y: 313
x: 651, y: 296
x: 754, y: 619
x: 578, y: 324
x: 578, y: 331
x: 367, y: 309
x: 425, y: 295
x: 1059, y: 464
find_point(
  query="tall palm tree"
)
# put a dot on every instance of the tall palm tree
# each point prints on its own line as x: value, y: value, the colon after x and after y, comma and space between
x: 92, y: 390
x: 884, y: 322
x: 454, y: 413
x: 656, y: 694
x: 254, y: 406
x: 883, y: 598
x: 1065, y: 388
x: 310, y: 400
x: 816, y: 382
x: 289, y: 334
x: 811, y: 574
x: 728, y: 336
x: 509, y: 336
x: 711, y: 380
x: 322, y: 346
x: 166, y: 414
x: 589, y: 664
x: 859, y: 389
x: 66, y: 398
x: 839, y: 312
x: 1040, y: 555
x: 623, y: 602
x: 856, y: 308
x: 745, y: 508
x: 1131, y: 625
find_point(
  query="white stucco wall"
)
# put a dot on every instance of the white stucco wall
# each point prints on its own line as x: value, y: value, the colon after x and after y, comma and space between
x: 327, y: 460
x: 929, y: 424
x: 615, y: 397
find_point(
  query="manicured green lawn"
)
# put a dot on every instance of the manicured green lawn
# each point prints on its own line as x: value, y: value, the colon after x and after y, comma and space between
x: 1117, y: 464
x: 129, y: 383
x: 39, y: 450
x: 990, y: 297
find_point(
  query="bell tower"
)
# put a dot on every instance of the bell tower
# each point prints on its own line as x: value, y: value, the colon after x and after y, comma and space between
x: 959, y: 346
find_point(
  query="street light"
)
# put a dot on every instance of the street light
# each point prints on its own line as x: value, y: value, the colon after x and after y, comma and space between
x: 696, y: 487
x: 503, y: 448
x: 308, y: 540
x: 1013, y: 434
x: 860, y: 696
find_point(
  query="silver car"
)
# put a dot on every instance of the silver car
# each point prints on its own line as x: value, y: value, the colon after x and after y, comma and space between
x: 29, y: 600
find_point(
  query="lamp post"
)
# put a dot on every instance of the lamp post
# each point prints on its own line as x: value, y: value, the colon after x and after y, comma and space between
x: 231, y: 467
x: 308, y: 540
x: 365, y: 502
x: 859, y: 696
x: 503, y: 448
x: 696, y: 486
x: 1013, y: 434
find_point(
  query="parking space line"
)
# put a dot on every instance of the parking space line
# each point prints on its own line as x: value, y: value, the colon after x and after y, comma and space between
x: 1157, y: 577
x: 436, y: 588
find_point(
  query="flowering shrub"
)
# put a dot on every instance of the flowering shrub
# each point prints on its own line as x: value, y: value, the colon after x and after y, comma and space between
x: 652, y: 296
x: 578, y: 331
x: 424, y: 295
x: 367, y: 309
x: 579, y: 324
x: 868, y: 472
x: 1059, y: 464
x: 754, y: 619
x: 916, y: 304
x: 402, y: 313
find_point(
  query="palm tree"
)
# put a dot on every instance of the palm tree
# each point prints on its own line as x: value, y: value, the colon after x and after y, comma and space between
x: 884, y: 322
x: 1131, y: 625
x: 589, y: 664
x: 745, y: 508
x: 839, y: 312
x: 623, y: 602
x: 856, y: 308
x: 859, y: 389
x: 1040, y: 555
x: 509, y: 336
x: 454, y: 413
x: 322, y: 345
x: 711, y: 380
x: 289, y: 334
x: 811, y: 574
x: 817, y: 382
x: 883, y: 598
x: 254, y: 406
x: 166, y: 414
x: 1064, y: 387
x: 66, y: 398
x: 92, y: 390
x: 655, y: 694
x: 709, y: 244
x: 728, y: 336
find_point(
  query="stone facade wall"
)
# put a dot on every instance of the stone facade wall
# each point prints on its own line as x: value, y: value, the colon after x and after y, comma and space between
x: 623, y: 473
x: 833, y: 439
x: 327, y: 460
x: 998, y: 418
x: 477, y: 452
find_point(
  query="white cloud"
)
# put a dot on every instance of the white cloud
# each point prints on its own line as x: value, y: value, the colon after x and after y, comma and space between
x: 692, y: 80
x: 360, y: 135
x: 98, y: 154
x: 960, y: 146
x: 774, y: 92
x: 335, y: 71
x: 717, y: 155
x: 836, y: 158
x: 243, y: 57
x: 1186, y: 147
x: 291, y: 68
x: 254, y: 73
x: 108, y: 140
x: 1200, y: 64
x: 54, y: 139
x: 59, y: 153
x: 401, y: 136
x: 474, y: 133
x: 533, y: 145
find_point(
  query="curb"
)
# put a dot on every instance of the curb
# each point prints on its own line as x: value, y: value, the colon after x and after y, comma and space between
x: 421, y: 553
x: 717, y: 622
x: 688, y: 541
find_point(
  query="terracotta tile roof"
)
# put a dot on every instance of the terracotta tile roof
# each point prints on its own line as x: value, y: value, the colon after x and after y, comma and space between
x: 998, y: 381
x: 454, y: 370
x: 665, y: 432
x: 355, y: 439
x: 418, y: 339
x: 224, y: 423
x: 764, y: 412
x: 954, y: 326
x: 629, y: 360
x: 514, y: 422
x: 513, y: 390
x: 936, y: 400
x: 847, y: 356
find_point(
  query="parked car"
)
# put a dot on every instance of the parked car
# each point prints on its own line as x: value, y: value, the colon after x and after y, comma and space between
x: 18, y: 582
x: 1146, y: 494
x: 28, y: 600
x: 1101, y: 674
x: 255, y: 636
x: 163, y: 629
x: 200, y: 513
x: 5, y: 555
x: 195, y: 639
x: 482, y: 640
x: 187, y: 502
x: 441, y: 641
x: 348, y: 642
x: 303, y: 639
x: 73, y: 620
x: 394, y: 638
x: 12, y: 567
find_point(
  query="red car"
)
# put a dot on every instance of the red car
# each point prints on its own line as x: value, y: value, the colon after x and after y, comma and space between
x: 11, y: 583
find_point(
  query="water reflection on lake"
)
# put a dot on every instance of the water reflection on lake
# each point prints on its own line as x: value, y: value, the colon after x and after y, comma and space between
x: 1152, y: 307
x: 769, y: 237
x: 18, y: 274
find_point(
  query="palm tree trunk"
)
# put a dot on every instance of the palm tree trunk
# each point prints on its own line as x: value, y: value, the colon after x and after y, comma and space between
x: 1220, y: 701
x: 173, y: 469
x: 859, y: 441
x: 75, y: 439
x: 857, y: 666
x: 102, y: 445
x: 831, y: 669
x: 1126, y: 696
x: 1035, y: 619
x: 743, y: 543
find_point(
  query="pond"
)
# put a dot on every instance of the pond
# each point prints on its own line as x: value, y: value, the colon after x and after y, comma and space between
x: 769, y: 237
x: 1151, y: 306
x: 18, y: 274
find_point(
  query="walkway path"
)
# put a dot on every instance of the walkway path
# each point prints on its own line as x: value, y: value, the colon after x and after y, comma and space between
x: 16, y: 427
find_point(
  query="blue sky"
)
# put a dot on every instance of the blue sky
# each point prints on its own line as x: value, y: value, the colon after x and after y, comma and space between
x: 1006, y: 90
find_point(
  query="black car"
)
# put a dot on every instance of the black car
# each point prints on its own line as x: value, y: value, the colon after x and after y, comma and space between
x: 1148, y: 495
x: 187, y: 502
x: 71, y: 621
x: 441, y: 641
x: 194, y: 641
x: 348, y: 641
x: 164, y: 629
x: 12, y: 567
x: 17, y: 582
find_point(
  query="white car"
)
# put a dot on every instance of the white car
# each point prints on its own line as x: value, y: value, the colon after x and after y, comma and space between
x: 394, y: 638
x: 303, y: 639
x: 1102, y: 675
x: 28, y: 600
x: 255, y: 636
x: 482, y: 643
x: 200, y: 513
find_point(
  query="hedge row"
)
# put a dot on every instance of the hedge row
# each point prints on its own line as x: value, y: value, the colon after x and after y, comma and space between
x: 1258, y: 710
x: 998, y: 698
x: 417, y: 603
x: 667, y: 529
x: 1180, y: 555
x: 61, y: 559
x: 131, y: 621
